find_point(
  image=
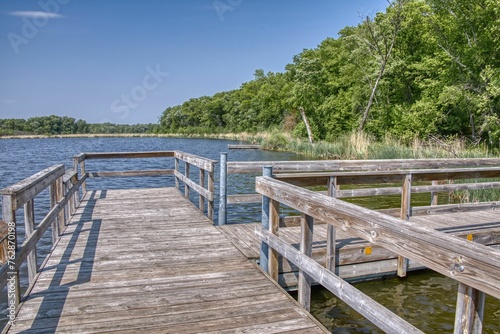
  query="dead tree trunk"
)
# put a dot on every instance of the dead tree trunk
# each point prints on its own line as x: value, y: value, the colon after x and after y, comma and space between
x: 308, y: 128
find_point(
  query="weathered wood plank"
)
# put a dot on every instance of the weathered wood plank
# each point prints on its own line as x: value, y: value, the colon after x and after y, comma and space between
x: 124, y: 155
x: 132, y: 173
x: 392, y: 176
x: 244, y: 198
x: 351, y: 165
x: 244, y: 147
x: 203, y: 163
x: 28, y: 188
x: 202, y: 191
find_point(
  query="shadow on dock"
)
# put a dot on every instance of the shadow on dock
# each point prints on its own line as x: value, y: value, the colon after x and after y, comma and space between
x: 54, y: 299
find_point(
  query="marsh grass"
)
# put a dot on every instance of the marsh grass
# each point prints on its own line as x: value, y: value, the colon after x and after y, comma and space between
x: 356, y: 146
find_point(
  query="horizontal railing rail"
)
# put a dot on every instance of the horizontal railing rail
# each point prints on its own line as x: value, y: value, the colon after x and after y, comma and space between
x: 63, y: 192
x: 319, y: 173
x: 474, y: 266
x: 204, y: 188
x: 356, y: 165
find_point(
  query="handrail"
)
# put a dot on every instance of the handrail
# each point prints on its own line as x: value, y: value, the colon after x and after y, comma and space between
x: 126, y: 155
x: 392, y: 176
x: 64, y: 188
x: 473, y: 265
x: 318, y: 172
x: 63, y: 191
x: 356, y: 165
x: 205, y: 166
x: 28, y: 188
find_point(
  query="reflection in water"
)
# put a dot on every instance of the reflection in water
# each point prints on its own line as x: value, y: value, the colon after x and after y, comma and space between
x: 425, y: 299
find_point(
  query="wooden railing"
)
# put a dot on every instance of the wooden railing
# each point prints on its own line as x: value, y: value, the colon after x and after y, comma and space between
x: 63, y: 189
x: 204, y: 188
x: 474, y: 266
x: 330, y: 166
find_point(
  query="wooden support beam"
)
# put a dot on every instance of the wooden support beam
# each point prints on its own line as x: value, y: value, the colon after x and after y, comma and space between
x: 470, y: 310
x: 267, y: 171
x: 274, y: 225
x: 12, y: 267
x: 306, y: 242
x: 223, y: 191
x: 29, y: 228
x: 177, y: 171
x: 61, y: 221
x: 201, y: 199
x: 53, y: 203
x: 331, y: 232
x: 187, y: 171
x: 434, y: 195
x: 211, y: 189
x: 84, y: 185
x: 405, y: 216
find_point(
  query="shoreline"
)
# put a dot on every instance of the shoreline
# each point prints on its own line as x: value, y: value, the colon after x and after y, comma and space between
x: 231, y: 136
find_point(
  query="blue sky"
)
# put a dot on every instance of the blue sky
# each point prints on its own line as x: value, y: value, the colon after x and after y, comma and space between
x: 126, y: 61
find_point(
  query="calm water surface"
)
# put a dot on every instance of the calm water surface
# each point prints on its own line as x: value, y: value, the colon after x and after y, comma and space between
x: 426, y: 299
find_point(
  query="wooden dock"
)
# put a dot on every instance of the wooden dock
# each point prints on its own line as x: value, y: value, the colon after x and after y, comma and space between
x: 244, y: 147
x: 148, y: 260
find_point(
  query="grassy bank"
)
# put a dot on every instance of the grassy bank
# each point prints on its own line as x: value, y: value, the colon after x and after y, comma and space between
x: 352, y: 146
x: 361, y: 146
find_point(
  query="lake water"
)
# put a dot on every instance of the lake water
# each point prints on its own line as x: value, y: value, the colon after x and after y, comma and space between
x: 425, y: 299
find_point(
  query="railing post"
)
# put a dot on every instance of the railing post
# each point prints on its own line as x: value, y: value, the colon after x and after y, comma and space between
x: 77, y: 194
x: 434, y: 195
x: 84, y: 184
x: 405, y: 215
x: 53, y: 202
x: 211, y: 188
x: 274, y: 225
x: 29, y: 228
x: 201, y: 199
x: 187, y: 173
x: 177, y: 170
x: 306, y: 242
x: 330, y: 235
x: 223, y: 189
x: 469, y: 311
x: 13, y: 286
x: 264, y: 248
x: 59, y: 196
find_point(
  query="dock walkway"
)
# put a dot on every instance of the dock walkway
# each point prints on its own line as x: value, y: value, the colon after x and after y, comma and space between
x: 147, y: 260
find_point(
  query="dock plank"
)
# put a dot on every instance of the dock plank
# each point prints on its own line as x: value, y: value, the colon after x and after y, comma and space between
x: 148, y: 260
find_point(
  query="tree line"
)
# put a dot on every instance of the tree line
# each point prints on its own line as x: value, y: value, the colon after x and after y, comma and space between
x: 57, y: 125
x: 421, y: 68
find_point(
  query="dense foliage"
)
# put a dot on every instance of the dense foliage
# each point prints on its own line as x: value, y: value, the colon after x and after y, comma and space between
x: 422, y: 68
x: 56, y: 125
